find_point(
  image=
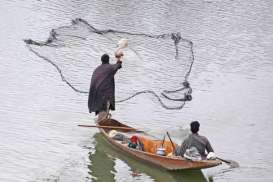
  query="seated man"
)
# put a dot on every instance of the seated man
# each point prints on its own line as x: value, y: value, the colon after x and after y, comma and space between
x: 195, y: 145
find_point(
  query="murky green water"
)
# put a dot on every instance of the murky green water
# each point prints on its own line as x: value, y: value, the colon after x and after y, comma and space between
x: 231, y: 81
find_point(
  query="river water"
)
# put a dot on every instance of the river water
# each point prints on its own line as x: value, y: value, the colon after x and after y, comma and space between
x: 231, y: 79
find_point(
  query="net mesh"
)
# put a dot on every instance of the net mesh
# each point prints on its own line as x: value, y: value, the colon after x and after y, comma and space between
x: 159, y: 65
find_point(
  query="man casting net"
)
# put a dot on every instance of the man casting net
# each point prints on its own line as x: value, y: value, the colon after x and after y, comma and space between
x: 158, y: 65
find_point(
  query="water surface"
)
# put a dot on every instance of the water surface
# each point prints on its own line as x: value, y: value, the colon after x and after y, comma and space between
x: 231, y: 81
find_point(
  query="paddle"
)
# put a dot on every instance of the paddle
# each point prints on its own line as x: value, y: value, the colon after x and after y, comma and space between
x: 231, y: 163
x: 223, y: 160
x: 171, y: 141
x: 113, y: 127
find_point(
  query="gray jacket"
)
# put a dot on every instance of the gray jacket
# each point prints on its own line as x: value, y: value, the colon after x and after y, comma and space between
x: 195, y: 140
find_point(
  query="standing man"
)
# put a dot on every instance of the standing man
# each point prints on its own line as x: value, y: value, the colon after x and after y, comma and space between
x: 102, y: 87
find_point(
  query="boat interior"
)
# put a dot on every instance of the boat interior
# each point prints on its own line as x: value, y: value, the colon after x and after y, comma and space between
x: 143, y: 141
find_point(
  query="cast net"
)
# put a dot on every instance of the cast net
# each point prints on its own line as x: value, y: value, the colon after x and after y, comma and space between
x: 158, y: 65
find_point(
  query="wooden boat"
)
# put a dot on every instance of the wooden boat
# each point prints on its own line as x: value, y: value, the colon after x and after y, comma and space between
x: 166, y: 162
x: 107, y: 155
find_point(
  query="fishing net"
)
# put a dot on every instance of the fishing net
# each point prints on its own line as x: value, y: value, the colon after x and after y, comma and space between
x: 158, y: 65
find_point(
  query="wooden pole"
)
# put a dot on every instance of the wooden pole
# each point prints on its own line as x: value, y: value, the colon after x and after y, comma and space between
x: 171, y: 141
x: 111, y: 127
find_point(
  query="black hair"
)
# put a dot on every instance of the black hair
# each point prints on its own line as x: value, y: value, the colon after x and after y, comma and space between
x: 105, y: 58
x: 195, y: 126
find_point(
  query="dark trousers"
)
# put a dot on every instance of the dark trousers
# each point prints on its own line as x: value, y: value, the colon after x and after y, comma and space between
x: 104, y: 114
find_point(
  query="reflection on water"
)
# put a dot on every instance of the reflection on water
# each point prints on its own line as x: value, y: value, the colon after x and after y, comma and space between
x: 105, y: 158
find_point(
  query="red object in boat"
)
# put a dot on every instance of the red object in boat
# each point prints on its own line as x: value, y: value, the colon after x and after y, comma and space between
x: 133, y: 139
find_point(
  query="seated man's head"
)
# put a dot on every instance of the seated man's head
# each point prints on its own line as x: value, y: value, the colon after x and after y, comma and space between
x: 105, y: 58
x: 195, y: 126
